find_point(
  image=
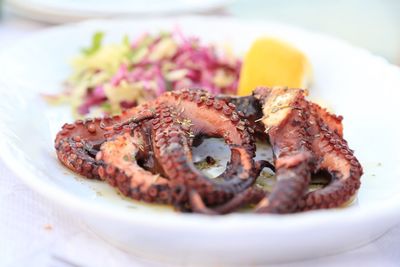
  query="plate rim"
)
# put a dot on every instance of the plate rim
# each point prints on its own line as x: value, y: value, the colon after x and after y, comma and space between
x: 54, y: 13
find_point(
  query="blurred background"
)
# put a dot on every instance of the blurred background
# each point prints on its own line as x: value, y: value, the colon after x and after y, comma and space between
x: 372, y: 24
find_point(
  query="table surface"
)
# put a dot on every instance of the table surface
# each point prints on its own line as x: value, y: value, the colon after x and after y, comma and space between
x: 35, y: 232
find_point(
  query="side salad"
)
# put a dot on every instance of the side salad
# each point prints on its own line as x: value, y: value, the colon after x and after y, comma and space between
x: 107, y: 78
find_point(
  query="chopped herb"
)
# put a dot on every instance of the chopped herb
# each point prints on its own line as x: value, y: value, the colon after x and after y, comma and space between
x: 240, y: 127
x: 129, y: 54
x: 126, y: 41
x: 276, y: 109
x: 266, y: 180
x: 141, y: 148
x: 97, y: 39
x: 206, y: 163
x: 186, y: 123
x: 106, y: 106
x: 138, y: 54
x: 210, y: 160
x: 169, y: 86
x: 164, y: 34
x: 155, y: 178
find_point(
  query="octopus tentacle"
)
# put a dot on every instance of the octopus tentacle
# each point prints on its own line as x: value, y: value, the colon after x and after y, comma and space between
x: 210, y: 116
x: 293, y: 176
x: 197, y: 204
x: 248, y: 107
x: 146, y: 152
x: 329, y: 150
x: 282, y: 117
x: 77, y: 143
x: 251, y: 108
x: 231, y: 171
x: 251, y: 195
x: 184, y: 114
x: 172, y: 145
x: 128, y: 117
x: 121, y: 170
x: 334, y: 156
x: 333, y: 122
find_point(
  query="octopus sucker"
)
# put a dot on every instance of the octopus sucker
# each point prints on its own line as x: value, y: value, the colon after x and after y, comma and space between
x: 146, y: 152
x: 119, y: 157
x: 332, y: 154
x: 344, y: 168
x: 329, y: 120
x: 77, y: 143
x: 172, y: 146
x: 282, y: 116
x: 320, y: 134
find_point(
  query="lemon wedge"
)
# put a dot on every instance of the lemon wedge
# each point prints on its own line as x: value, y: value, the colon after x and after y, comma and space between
x: 272, y: 62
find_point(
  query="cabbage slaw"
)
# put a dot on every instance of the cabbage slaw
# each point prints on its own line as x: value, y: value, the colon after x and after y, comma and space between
x: 109, y: 78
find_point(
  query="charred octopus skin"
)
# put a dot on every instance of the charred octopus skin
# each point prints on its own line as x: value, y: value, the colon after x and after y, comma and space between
x: 284, y: 119
x: 321, y: 134
x: 146, y: 152
x: 183, y: 115
x: 249, y: 108
x: 334, y: 156
x: 77, y: 143
x: 120, y: 169
x: 166, y: 131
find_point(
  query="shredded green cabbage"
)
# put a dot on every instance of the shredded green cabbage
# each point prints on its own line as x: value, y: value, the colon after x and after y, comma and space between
x: 107, y: 78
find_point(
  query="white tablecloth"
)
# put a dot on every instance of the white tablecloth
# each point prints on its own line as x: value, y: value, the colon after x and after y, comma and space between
x: 35, y: 232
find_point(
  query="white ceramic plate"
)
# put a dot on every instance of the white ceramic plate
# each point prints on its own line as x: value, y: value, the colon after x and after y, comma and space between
x: 362, y: 87
x: 62, y: 11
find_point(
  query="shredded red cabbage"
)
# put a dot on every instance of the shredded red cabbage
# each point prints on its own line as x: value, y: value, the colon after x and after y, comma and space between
x: 196, y: 64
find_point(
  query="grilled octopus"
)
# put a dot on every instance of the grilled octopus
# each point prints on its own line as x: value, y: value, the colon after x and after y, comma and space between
x: 146, y: 152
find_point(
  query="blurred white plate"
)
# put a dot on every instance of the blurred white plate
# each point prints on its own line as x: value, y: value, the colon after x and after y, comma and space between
x: 362, y: 87
x: 61, y: 11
